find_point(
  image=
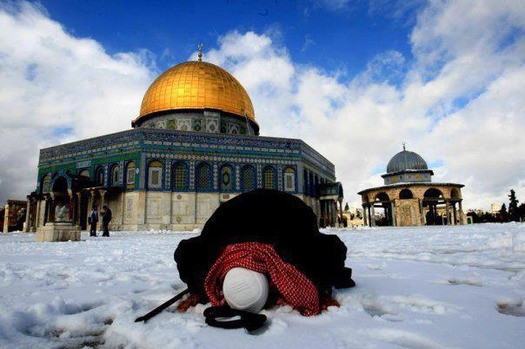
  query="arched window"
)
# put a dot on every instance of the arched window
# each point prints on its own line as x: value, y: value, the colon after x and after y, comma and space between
x: 130, y: 175
x: 46, y: 184
x: 180, y: 176
x: 248, y: 180
x: 382, y: 197
x: 226, y: 179
x: 269, y: 178
x: 406, y: 194
x: 60, y: 185
x: 84, y: 173
x: 316, y: 186
x: 114, y: 175
x: 306, y: 186
x: 203, y: 177
x: 155, y: 175
x: 289, y: 179
x: 433, y: 193
x: 311, y: 184
x: 99, y: 177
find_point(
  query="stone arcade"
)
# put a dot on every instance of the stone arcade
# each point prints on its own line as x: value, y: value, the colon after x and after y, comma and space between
x: 409, y: 198
x: 194, y: 145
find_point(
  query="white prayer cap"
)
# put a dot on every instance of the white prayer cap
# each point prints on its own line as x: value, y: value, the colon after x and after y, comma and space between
x: 245, y: 289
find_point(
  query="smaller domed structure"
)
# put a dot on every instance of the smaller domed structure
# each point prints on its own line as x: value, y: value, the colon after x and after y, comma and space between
x: 409, y: 197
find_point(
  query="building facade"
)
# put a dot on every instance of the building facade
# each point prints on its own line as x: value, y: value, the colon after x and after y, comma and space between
x: 194, y: 145
x: 410, y: 198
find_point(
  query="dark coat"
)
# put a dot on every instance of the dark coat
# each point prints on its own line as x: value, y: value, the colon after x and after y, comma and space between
x: 106, y: 216
x: 267, y: 216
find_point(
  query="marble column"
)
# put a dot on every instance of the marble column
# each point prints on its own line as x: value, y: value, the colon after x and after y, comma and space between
x: 102, y: 193
x: 461, y: 215
x: 393, y: 213
x: 447, y: 210
x: 78, y: 210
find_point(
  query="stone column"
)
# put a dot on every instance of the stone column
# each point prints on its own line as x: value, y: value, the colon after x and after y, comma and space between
x: 365, y: 215
x: 102, y: 193
x: 340, y: 212
x: 447, y: 209
x: 28, y: 209
x: 5, y: 228
x: 195, y: 208
x: 422, y: 216
x: 454, y: 213
x: 51, y: 208
x: 37, y: 213
x: 322, y: 216
x: 78, y: 213
x: 91, y: 200
x: 122, y: 207
x: 461, y: 216
x: 334, y: 213
x: 373, y: 216
x: 44, y: 215
x: 71, y: 207
x: 393, y: 211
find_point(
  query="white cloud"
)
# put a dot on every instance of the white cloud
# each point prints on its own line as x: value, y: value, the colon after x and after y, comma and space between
x: 458, y: 103
x: 57, y: 88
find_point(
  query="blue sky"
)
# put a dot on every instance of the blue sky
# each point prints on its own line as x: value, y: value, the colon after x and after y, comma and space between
x: 353, y: 79
x: 334, y: 36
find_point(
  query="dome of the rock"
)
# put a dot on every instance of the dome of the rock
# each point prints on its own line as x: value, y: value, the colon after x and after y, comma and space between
x: 196, y: 85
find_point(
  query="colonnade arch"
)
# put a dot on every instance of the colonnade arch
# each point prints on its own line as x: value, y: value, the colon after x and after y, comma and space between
x: 413, y: 205
x: 383, y: 202
x: 406, y: 194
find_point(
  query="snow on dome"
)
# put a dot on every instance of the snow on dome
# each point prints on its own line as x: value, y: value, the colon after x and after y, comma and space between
x: 406, y: 160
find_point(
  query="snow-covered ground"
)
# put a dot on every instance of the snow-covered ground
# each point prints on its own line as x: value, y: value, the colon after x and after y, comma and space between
x: 429, y: 287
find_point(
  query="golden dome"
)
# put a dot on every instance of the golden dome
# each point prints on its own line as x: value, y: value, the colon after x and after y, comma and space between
x: 197, y: 85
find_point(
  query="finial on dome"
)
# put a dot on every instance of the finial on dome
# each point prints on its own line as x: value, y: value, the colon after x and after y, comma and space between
x: 404, y: 148
x: 200, y: 52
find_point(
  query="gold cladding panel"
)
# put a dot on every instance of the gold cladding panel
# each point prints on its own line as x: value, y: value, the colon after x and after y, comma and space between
x: 197, y: 85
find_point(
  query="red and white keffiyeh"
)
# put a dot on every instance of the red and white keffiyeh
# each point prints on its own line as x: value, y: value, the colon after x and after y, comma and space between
x: 294, y: 288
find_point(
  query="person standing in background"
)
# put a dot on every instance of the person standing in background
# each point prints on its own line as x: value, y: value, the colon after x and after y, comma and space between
x: 106, y: 218
x: 93, y: 220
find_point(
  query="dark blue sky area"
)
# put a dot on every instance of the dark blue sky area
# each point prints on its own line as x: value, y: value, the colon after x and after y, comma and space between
x: 314, y: 35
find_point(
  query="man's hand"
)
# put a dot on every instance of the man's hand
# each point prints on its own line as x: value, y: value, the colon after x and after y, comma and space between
x: 189, y: 302
x: 328, y: 301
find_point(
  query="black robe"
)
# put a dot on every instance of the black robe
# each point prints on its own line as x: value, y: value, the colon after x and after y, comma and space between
x: 267, y: 216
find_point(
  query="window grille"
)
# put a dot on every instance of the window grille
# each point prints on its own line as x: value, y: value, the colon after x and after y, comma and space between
x: 180, y: 175
x: 247, y: 178
x: 203, y: 177
x: 269, y: 178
